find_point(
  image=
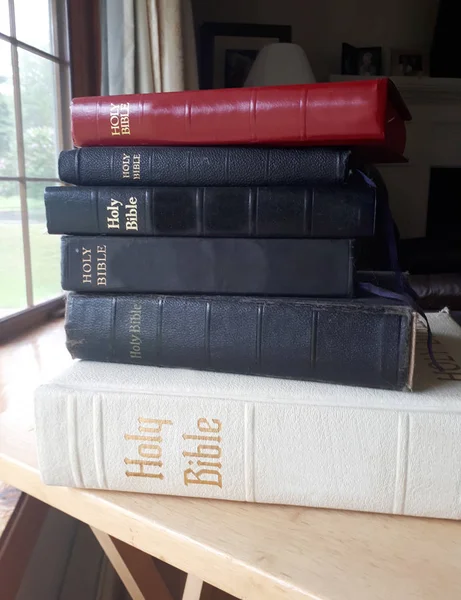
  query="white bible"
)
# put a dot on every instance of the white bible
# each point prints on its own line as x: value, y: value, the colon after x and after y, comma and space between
x: 256, y: 439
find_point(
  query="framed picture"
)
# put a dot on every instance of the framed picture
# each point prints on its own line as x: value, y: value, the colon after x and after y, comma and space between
x: 409, y: 63
x: 228, y: 50
x: 366, y: 62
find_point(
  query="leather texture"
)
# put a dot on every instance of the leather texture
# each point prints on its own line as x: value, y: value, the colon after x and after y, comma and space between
x: 286, y: 442
x: 296, y: 267
x: 356, y: 113
x: 357, y: 342
x: 327, y: 211
x: 204, y: 166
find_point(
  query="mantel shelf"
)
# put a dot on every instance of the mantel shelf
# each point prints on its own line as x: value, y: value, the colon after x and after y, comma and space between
x: 420, y: 90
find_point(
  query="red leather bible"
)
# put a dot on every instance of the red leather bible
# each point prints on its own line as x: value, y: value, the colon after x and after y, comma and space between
x: 367, y: 113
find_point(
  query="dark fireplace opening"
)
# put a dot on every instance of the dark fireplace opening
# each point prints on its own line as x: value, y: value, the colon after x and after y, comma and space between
x: 444, y: 204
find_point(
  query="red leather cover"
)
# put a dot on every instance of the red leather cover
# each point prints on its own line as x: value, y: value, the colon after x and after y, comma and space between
x: 355, y: 113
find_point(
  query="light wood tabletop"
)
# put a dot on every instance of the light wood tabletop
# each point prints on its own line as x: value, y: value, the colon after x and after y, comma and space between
x: 251, y: 551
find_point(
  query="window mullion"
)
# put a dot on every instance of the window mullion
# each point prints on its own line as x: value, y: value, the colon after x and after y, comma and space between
x: 32, y: 49
x: 21, y: 162
x: 62, y: 72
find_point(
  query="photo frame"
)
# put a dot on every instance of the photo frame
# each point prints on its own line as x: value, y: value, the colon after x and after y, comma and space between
x: 366, y: 61
x: 228, y: 50
x: 409, y: 63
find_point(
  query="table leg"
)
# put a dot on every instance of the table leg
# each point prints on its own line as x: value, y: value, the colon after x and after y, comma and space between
x: 197, y: 589
x: 135, y: 568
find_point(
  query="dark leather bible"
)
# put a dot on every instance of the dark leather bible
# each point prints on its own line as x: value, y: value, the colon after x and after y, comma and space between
x: 204, y: 166
x: 346, y: 211
x: 365, y: 342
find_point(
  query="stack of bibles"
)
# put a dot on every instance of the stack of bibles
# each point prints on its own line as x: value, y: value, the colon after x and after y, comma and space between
x: 216, y: 231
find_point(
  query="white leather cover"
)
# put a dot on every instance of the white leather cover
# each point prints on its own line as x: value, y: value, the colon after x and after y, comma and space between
x: 261, y: 439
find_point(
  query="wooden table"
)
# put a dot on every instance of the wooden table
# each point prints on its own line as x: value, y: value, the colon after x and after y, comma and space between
x: 251, y: 551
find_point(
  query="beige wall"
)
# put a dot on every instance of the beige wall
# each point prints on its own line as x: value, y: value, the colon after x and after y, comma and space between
x: 320, y: 26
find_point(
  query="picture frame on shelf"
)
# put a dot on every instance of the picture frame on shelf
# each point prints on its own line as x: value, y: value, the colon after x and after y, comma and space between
x: 228, y: 50
x: 366, y: 61
x: 409, y: 63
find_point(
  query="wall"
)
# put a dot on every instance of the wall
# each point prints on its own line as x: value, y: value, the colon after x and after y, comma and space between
x: 432, y: 141
x: 320, y: 26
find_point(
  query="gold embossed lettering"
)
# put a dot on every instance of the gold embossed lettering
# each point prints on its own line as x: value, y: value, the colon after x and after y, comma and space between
x: 136, y: 166
x: 125, y: 118
x: 134, y: 329
x: 113, y: 214
x: 149, y: 448
x: 86, y: 265
x: 114, y: 119
x: 211, y: 452
x: 126, y: 159
x: 101, y: 265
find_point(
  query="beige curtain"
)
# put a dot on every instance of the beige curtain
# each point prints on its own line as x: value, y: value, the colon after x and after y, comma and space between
x: 147, y: 46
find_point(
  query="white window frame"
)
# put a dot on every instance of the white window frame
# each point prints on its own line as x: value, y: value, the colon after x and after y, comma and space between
x: 60, y: 40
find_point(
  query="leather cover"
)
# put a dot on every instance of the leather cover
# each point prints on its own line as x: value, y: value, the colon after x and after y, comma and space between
x: 284, y: 442
x: 204, y: 166
x: 328, y: 211
x: 357, y: 342
x: 367, y: 113
x: 183, y: 265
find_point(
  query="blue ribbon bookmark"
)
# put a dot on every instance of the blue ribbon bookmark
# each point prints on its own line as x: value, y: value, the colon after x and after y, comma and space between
x: 405, y: 292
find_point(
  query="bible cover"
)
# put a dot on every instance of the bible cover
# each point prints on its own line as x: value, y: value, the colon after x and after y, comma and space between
x: 366, y: 113
x: 205, y: 166
x: 184, y: 265
x: 346, y: 211
x: 358, y: 342
x: 268, y: 440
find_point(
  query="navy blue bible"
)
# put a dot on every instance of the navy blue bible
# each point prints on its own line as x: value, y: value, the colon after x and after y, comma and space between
x: 194, y: 265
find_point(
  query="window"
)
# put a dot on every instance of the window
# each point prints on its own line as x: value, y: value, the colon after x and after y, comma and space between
x: 34, y: 127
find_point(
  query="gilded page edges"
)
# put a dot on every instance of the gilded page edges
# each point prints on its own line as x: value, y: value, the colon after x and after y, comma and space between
x: 412, y: 350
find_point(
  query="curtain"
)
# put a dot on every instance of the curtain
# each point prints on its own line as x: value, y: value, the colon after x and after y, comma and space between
x: 84, y: 47
x: 147, y: 46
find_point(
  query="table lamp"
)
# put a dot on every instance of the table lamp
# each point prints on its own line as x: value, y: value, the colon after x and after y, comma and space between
x: 280, y: 64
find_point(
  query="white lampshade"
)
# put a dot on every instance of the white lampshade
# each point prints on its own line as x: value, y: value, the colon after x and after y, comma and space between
x: 280, y: 64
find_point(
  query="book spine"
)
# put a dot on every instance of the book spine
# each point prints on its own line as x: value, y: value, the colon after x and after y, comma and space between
x: 282, y: 267
x: 338, y: 457
x: 349, y: 343
x: 204, y: 166
x: 291, y: 115
x: 328, y: 212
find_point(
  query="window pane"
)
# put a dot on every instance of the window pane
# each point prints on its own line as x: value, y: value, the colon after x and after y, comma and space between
x: 8, y: 151
x: 4, y: 17
x: 12, y: 274
x: 45, y: 249
x: 38, y: 98
x: 33, y: 23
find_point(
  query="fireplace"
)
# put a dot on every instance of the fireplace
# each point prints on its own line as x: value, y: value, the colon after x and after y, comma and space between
x: 444, y: 204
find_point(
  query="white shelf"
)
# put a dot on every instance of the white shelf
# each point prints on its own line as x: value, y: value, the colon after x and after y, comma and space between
x: 420, y: 90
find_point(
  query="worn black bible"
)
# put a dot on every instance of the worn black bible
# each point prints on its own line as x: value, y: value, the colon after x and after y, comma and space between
x: 360, y: 341
x: 291, y: 267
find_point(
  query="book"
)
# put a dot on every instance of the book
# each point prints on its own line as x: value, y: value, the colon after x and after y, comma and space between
x: 255, y: 439
x: 360, y: 341
x: 371, y: 114
x: 205, y: 166
x: 346, y: 211
x: 182, y: 265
